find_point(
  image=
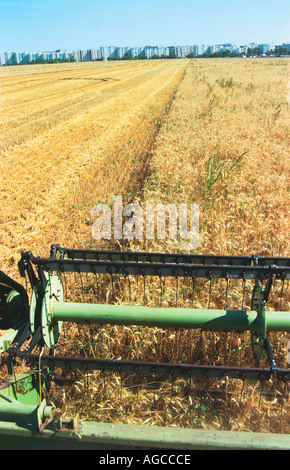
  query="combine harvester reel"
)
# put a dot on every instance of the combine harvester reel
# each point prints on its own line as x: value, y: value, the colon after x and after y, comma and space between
x: 25, y: 418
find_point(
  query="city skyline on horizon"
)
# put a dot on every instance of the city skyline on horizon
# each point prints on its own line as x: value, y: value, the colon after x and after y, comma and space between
x: 206, y: 43
x: 146, y: 52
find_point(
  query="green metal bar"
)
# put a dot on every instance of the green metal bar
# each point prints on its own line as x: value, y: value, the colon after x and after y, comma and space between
x: 226, y: 320
x: 14, y: 409
x: 9, y: 336
x: 278, y: 321
x: 174, y: 438
x: 105, y: 436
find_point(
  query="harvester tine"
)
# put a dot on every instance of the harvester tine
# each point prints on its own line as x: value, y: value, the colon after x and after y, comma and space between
x: 154, y: 387
x: 261, y: 391
x: 244, y: 290
x: 65, y: 285
x: 193, y: 290
x: 172, y: 386
x: 26, y: 281
x: 242, y: 392
x: 129, y: 288
x: 144, y: 288
x: 227, y: 289
x: 282, y: 396
x: 104, y: 378
x: 137, y: 374
x: 98, y: 285
x: 225, y: 392
x: 121, y: 385
x: 75, y: 277
x: 93, y: 288
x: 285, y: 395
x: 87, y: 383
x: 161, y: 290
x: 82, y: 287
x: 112, y: 289
x: 210, y: 286
x: 282, y: 293
x: 269, y: 285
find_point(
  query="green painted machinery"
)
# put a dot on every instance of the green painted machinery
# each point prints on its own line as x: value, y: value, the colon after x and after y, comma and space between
x: 27, y: 420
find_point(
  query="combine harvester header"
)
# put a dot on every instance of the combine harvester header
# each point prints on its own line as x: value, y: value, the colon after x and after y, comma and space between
x: 25, y: 418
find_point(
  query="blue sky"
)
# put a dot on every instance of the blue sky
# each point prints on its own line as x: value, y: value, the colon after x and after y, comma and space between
x: 43, y: 25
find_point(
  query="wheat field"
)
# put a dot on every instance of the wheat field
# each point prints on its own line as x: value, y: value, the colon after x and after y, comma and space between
x: 71, y: 136
x: 151, y: 131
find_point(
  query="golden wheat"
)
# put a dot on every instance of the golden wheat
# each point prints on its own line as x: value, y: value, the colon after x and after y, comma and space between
x: 74, y: 135
x: 229, y: 116
x: 235, y: 114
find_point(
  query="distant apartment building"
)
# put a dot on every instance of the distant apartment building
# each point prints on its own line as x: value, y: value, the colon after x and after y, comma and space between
x: 266, y: 48
x: 243, y: 49
x: 252, y: 45
x: 2, y: 58
x: 109, y: 52
x: 215, y: 49
x: 62, y: 54
x: 221, y: 48
x: 234, y: 49
x: 82, y: 55
x: 85, y: 55
x: 200, y: 49
x: 134, y: 52
x: 21, y: 57
x: 183, y: 51
x: 77, y: 56
x: 178, y: 52
x: 162, y: 51
x: 96, y: 54
x: 36, y: 56
x: 172, y: 50
x: 158, y: 51
x: 7, y: 58
x: 122, y: 52
x: 149, y: 52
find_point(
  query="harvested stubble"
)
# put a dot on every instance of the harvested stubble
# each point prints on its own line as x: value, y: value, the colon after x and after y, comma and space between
x: 72, y: 136
x: 228, y: 118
